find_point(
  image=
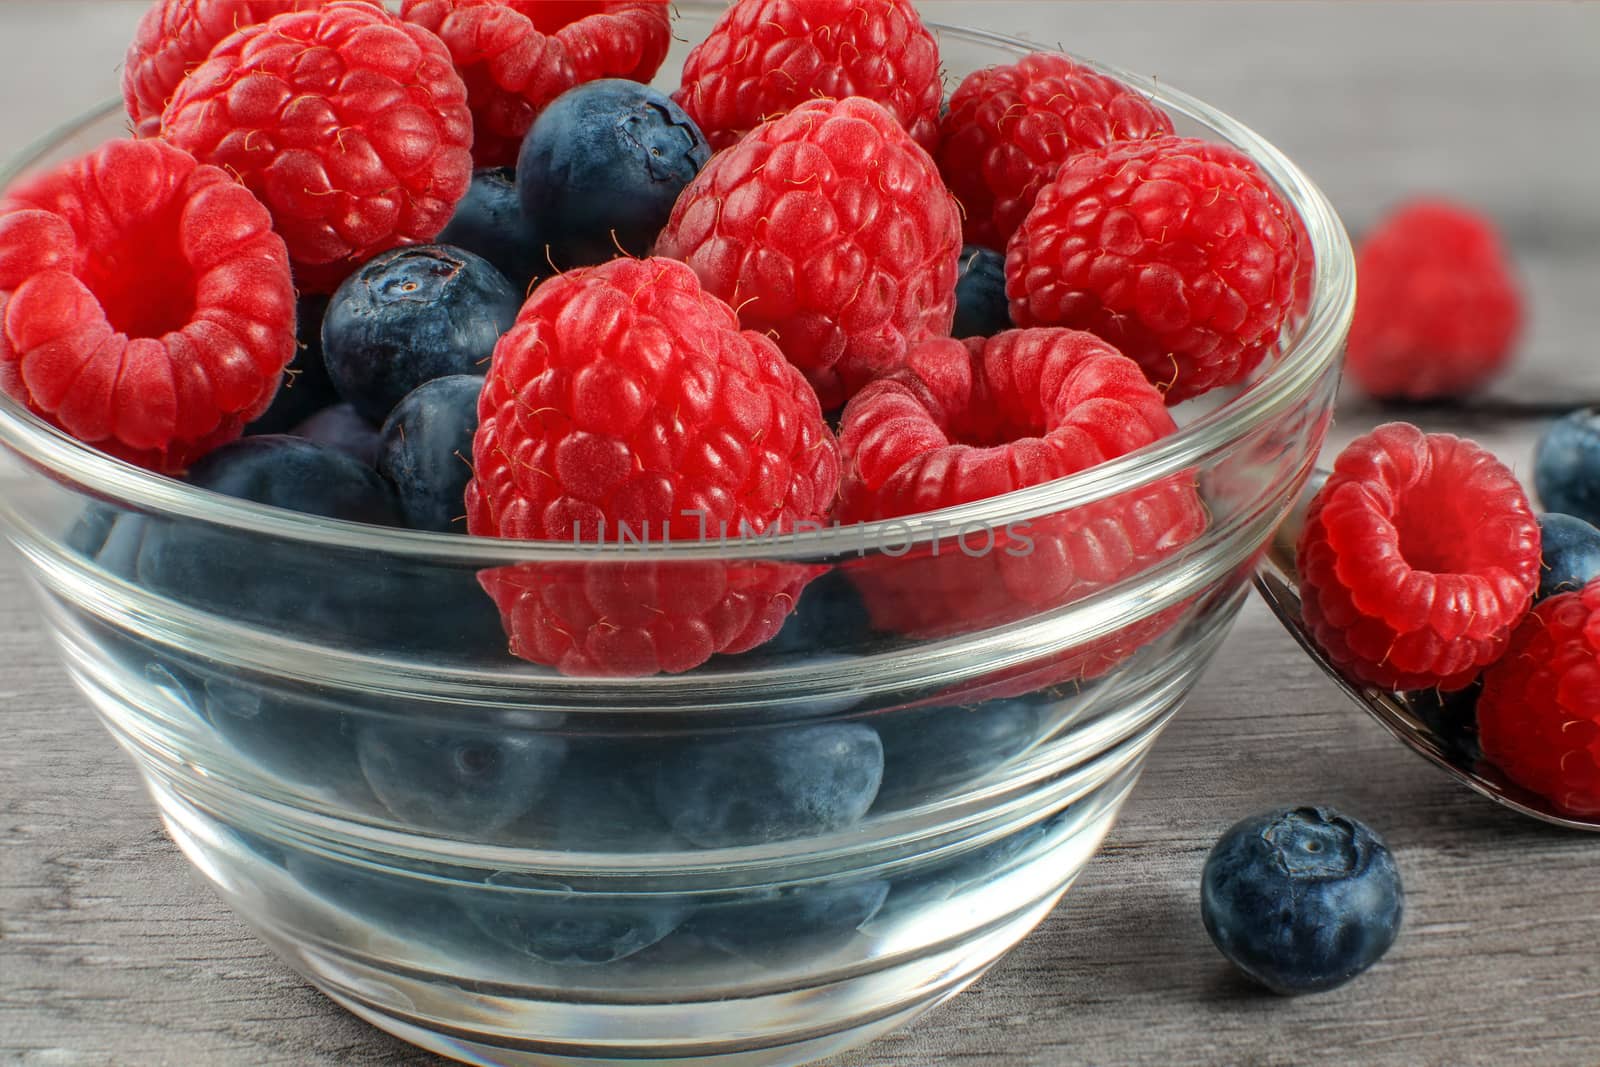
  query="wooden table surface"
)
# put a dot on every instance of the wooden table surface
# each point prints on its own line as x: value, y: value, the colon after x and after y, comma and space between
x: 112, y: 952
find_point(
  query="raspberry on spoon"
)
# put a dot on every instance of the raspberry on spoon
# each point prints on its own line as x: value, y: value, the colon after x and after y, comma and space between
x: 1418, y: 556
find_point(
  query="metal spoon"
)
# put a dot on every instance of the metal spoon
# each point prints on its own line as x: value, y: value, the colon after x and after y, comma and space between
x: 1278, y: 583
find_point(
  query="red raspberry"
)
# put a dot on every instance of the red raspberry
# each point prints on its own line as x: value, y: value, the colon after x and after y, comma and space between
x: 518, y: 55
x: 147, y: 306
x: 1418, y: 557
x: 1176, y: 251
x: 351, y: 126
x: 830, y: 228
x: 969, y: 420
x: 1010, y: 128
x: 1539, y: 713
x: 1437, y: 308
x: 764, y: 57
x: 175, y: 37
x: 625, y: 394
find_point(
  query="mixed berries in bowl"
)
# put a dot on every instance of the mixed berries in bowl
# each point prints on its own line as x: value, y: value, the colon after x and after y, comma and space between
x: 605, y: 608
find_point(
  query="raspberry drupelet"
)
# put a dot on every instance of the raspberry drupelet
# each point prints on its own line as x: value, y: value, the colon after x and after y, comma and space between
x: 627, y: 402
x: 147, y: 304
x: 831, y: 228
x: 1418, y: 556
x: 516, y: 56
x: 765, y: 57
x: 1009, y: 129
x: 1177, y: 251
x: 350, y: 125
x: 1539, y: 713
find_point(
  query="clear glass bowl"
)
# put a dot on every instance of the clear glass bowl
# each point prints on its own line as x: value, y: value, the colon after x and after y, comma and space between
x: 763, y: 860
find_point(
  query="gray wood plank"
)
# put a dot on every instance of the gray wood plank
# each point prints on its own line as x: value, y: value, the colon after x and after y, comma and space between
x: 112, y: 952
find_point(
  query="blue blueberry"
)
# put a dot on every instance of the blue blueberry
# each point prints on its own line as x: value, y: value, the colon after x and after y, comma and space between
x: 1301, y: 899
x: 771, y: 786
x: 1566, y: 466
x: 288, y: 472
x: 1453, y: 719
x: 304, y: 742
x: 932, y: 752
x: 462, y: 781
x: 792, y: 916
x: 411, y: 315
x: 426, y: 451
x: 605, y: 799
x: 981, y: 306
x: 488, y: 222
x: 408, y: 908
x: 342, y: 427
x: 830, y: 617
x: 975, y: 870
x: 91, y: 529
x: 1570, y: 554
x: 306, y: 387
x: 601, y: 168
x: 550, y: 922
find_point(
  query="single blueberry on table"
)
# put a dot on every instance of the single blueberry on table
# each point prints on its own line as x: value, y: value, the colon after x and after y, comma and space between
x: 933, y: 752
x: 601, y: 168
x: 426, y: 451
x: 344, y: 428
x: 1301, y: 899
x: 306, y: 387
x: 1569, y: 554
x: 411, y: 315
x: 981, y: 306
x: 775, y: 785
x: 1566, y: 466
x: 556, y: 925
x: 463, y: 781
x: 488, y: 222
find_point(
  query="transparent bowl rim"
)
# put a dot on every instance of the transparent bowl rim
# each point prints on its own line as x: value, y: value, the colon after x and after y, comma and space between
x: 1316, y: 343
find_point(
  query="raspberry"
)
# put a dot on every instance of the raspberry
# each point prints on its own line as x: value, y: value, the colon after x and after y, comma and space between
x: 147, y: 306
x: 351, y: 126
x: 1437, y: 308
x: 1418, y: 556
x: 974, y: 419
x: 1010, y: 128
x: 830, y: 228
x: 516, y: 56
x: 1539, y: 713
x: 1176, y: 251
x: 176, y: 36
x: 626, y: 402
x: 765, y: 57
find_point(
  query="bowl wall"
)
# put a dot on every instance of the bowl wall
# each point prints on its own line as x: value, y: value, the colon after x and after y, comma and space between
x: 776, y: 854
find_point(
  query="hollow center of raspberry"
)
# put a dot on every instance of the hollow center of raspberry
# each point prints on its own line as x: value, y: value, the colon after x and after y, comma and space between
x: 1431, y: 522
x: 990, y: 421
x: 142, y: 279
x: 548, y: 16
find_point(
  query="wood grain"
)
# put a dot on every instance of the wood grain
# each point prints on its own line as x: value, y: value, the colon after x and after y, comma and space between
x: 111, y: 952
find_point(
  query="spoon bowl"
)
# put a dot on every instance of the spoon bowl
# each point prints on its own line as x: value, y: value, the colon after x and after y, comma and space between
x: 1402, y: 714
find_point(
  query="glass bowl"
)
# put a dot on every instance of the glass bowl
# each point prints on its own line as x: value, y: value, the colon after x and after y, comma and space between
x: 761, y: 860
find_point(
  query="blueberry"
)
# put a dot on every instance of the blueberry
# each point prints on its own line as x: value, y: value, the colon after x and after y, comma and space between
x: 306, y: 387
x: 89, y: 532
x: 601, y: 168
x: 303, y: 742
x: 931, y: 752
x: 426, y: 451
x: 342, y: 427
x: 605, y: 802
x: 1566, y: 466
x: 488, y: 222
x: 411, y: 315
x: 771, y: 786
x: 1570, y: 554
x: 1301, y: 899
x: 288, y: 472
x: 830, y: 617
x: 795, y: 916
x: 550, y: 922
x: 412, y: 909
x: 1453, y: 718
x: 981, y: 306
x: 457, y: 780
